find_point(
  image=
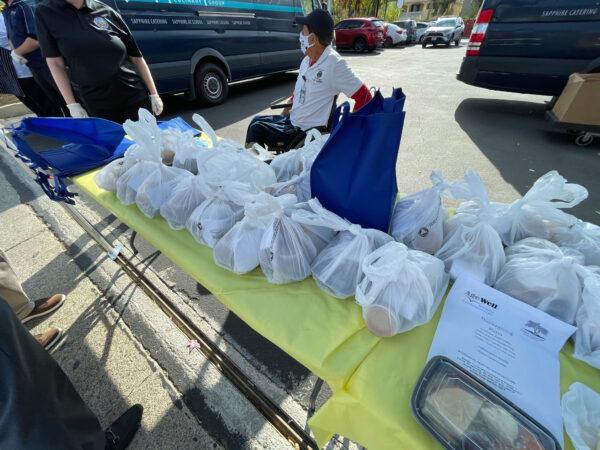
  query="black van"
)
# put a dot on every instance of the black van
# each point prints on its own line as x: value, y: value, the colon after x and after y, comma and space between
x: 198, y: 46
x: 531, y: 46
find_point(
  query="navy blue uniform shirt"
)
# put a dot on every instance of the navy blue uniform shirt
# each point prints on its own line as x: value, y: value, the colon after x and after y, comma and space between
x: 20, y: 24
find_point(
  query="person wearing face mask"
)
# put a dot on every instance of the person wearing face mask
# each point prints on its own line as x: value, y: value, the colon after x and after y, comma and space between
x: 93, y: 58
x: 323, y: 75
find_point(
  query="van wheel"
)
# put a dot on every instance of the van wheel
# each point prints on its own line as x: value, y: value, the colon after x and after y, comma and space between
x: 388, y: 43
x: 211, y: 84
x: 360, y: 45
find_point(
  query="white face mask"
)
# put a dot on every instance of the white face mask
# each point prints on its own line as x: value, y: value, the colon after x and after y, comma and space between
x: 304, y: 43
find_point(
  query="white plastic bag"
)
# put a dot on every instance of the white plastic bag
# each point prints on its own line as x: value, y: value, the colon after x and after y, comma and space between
x: 399, y: 289
x: 540, y: 209
x: 287, y: 250
x: 216, y: 143
x: 298, y: 185
x: 418, y: 219
x: 581, y: 415
x: 108, y: 176
x: 582, y: 236
x: 157, y: 188
x: 184, y: 199
x: 337, y: 268
x: 186, y: 152
x: 294, y: 162
x: 471, y: 244
x: 545, y: 278
x: 147, y: 137
x: 238, y: 249
x: 216, y: 215
x: 129, y: 183
x: 587, y: 337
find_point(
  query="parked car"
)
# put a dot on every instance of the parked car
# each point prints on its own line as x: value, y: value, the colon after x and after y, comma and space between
x: 198, y: 47
x: 411, y: 29
x: 444, y: 31
x: 394, y: 35
x: 360, y: 34
x: 421, y: 28
x: 531, y: 47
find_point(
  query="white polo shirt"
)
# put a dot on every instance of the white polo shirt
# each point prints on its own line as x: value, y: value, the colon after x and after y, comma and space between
x: 317, y: 85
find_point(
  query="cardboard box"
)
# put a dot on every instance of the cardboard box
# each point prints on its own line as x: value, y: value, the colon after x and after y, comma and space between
x: 579, y: 102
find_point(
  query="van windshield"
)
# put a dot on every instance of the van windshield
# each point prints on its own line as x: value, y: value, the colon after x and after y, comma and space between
x: 445, y: 23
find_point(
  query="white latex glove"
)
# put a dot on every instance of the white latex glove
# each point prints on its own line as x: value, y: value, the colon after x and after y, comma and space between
x: 77, y: 111
x: 18, y: 58
x: 157, y: 105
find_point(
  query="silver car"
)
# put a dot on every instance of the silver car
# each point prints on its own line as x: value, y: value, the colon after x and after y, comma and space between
x: 421, y: 29
x: 444, y: 31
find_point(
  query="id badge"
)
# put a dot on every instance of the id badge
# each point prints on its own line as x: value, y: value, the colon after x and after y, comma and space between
x: 302, y: 95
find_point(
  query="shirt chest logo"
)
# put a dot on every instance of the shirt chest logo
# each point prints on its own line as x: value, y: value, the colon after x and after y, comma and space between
x: 101, y: 23
x: 318, y: 77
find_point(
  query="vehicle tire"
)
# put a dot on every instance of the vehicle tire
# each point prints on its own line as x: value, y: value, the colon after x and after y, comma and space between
x: 388, y: 42
x: 435, y: 44
x: 211, y: 84
x: 424, y: 44
x: 447, y: 44
x: 457, y: 42
x: 360, y: 45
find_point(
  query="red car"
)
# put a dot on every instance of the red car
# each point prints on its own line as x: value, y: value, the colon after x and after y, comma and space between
x: 360, y: 34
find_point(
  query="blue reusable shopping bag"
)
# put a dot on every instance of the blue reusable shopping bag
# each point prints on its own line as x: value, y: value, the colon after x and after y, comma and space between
x: 73, y: 146
x: 354, y: 175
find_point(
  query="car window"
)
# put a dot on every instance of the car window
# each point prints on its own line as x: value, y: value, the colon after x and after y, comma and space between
x: 353, y: 24
x: 377, y: 23
x: 341, y: 26
x: 421, y: 25
x: 404, y: 25
x: 445, y: 23
x: 393, y: 27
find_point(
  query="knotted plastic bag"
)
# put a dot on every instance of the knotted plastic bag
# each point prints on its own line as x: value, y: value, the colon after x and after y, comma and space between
x: 418, y: 219
x: 399, y: 289
x: 337, y: 268
x: 221, y: 210
x: 587, y: 336
x: 158, y: 187
x: 238, y: 249
x: 471, y: 244
x: 542, y: 275
x: 298, y: 185
x: 184, y: 199
x: 540, y: 209
x: 580, y: 407
x: 108, y: 176
x: 129, y: 183
x: 582, y: 236
x: 292, y: 163
x: 147, y: 137
x: 186, y: 151
x: 289, y: 247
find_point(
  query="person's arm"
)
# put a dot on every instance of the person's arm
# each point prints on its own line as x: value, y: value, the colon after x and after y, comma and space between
x: 59, y: 74
x: 345, y: 81
x: 137, y: 59
x: 29, y: 45
x: 143, y: 71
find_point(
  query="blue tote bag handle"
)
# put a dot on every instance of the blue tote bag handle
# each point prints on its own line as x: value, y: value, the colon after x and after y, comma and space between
x: 341, y: 111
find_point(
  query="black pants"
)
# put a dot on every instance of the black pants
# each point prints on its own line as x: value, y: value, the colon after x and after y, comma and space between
x: 40, y: 408
x: 272, y: 131
x: 35, y: 98
x: 116, y: 112
x: 44, y: 79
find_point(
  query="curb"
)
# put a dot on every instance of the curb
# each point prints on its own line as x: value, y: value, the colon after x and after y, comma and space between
x: 13, y: 110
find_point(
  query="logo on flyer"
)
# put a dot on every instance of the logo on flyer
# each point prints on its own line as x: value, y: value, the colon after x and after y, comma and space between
x: 534, y: 330
x: 479, y: 301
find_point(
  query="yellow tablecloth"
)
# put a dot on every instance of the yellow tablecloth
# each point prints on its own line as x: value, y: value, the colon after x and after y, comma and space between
x: 325, y: 334
x: 371, y: 378
x: 374, y: 406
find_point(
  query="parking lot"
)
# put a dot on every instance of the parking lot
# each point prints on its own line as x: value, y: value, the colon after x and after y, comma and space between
x: 449, y: 127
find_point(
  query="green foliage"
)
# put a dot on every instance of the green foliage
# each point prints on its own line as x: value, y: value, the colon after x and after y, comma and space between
x: 385, y: 10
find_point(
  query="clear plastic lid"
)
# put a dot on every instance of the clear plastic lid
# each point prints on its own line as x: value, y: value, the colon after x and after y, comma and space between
x: 464, y: 414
